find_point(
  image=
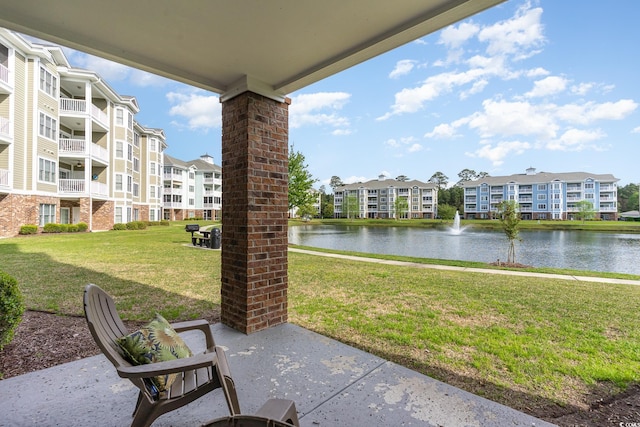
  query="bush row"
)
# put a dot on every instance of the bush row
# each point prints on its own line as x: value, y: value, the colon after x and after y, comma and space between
x: 54, y: 228
x: 139, y: 225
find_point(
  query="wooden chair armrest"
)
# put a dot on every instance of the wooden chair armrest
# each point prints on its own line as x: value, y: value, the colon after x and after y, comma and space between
x: 169, y: 367
x: 199, y: 324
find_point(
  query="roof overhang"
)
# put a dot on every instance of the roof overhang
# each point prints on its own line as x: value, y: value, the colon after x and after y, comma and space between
x: 271, y: 47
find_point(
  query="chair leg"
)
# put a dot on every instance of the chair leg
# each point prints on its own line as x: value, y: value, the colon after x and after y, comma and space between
x: 144, y: 414
x: 281, y: 410
x: 140, y: 397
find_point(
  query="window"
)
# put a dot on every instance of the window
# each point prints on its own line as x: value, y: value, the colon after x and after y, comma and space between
x: 152, y: 191
x: 588, y: 185
x: 152, y: 215
x: 192, y: 175
x: 542, y: 187
x: 192, y: 202
x: 129, y: 152
x: 46, y: 170
x: 152, y: 145
x: 47, y: 214
x: 118, y: 182
x: 118, y: 219
x: 542, y: 196
x: 588, y: 196
x: 130, y: 120
x: 48, y: 82
x: 129, y: 184
x: 48, y: 126
x: 542, y: 206
x: 192, y: 189
x: 136, y: 214
x: 556, y: 196
x: 136, y: 164
x: 119, y: 117
x: 128, y: 214
x: 152, y: 168
x: 136, y: 189
x: 556, y: 206
x: 136, y: 139
x: 119, y: 150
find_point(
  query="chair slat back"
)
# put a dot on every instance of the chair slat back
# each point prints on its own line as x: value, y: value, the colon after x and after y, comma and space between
x: 104, y: 323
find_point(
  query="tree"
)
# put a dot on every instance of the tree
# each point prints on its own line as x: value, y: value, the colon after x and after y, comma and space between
x: 300, y: 181
x: 585, y: 210
x: 401, y: 205
x: 350, y: 205
x: 467, y: 175
x: 307, y: 211
x: 327, y: 209
x: 335, y: 182
x: 446, y: 211
x: 481, y: 175
x: 510, y: 219
x: 439, y: 179
x: 628, y: 198
x: 402, y: 178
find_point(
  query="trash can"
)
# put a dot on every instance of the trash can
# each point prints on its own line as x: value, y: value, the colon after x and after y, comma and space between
x: 216, y: 238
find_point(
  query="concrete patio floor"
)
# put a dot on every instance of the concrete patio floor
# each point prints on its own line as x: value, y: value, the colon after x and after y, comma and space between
x: 332, y: 384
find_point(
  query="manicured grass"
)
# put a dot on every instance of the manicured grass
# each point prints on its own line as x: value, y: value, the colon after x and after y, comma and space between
x: 525, y: 342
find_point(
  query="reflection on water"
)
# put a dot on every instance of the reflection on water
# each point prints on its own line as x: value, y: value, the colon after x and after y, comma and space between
x: 579, y: 250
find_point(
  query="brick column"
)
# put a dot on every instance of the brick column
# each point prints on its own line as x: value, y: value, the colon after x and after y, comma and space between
x: 254, y: 237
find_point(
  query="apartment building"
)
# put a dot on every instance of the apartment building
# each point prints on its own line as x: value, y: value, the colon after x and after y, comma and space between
x: 192, y: 189
x: 543, y: 195
x: 377, y: 199
x: 70, y: 148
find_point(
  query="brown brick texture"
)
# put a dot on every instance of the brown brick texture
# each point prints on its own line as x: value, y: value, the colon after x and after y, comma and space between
x: 254, y: 238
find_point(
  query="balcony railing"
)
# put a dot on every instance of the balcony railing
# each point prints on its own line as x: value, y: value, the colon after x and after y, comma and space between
x: 174, y: 205
x: 173, y: 176
x: 98, y: 188
x: 4, y: 74
x: 71, y: 186
x: 74, y: 146
x: 5, y: 128
x: 79, y: 106
x: 4, y: 178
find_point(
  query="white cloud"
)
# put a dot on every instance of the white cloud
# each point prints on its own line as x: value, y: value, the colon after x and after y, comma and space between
x: 309, y: 109
x: 636, y: 130
x: 455, y: 36
x: 341, y: 132
x: 498, y: 152
x: 202, y: 112
x: 576, y: 140
x: 547, y: 86
x: 582, y: 88
x: 402, y: 68
x: 442, y: 131
x: 520, y: 36
x: 414, y: 148
x: 589, y: 112
x: 513, y: 118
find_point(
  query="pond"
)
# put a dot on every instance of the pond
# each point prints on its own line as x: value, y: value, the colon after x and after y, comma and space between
x: 578, y: 250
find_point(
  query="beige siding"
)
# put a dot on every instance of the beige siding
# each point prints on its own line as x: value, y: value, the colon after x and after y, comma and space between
x: 20, y: 133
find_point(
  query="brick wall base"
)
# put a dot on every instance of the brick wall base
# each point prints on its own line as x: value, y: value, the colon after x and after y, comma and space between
x: 254, y: 240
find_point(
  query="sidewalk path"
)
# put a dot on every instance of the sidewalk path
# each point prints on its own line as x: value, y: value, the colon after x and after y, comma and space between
x: 472, y: 270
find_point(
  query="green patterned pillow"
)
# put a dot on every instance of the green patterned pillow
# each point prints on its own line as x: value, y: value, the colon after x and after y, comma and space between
x: 155, y: 342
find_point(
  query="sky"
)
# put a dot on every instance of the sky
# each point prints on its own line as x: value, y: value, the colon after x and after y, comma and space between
x: 548, y: 84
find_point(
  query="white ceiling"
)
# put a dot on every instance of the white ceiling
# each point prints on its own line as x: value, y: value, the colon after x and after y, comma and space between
x: 226, y: 46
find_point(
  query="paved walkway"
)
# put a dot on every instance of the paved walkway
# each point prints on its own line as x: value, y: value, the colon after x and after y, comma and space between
x: 470, y: 269
x: 332, y: 384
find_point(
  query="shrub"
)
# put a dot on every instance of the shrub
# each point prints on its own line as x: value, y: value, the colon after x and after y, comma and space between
x: 72, y: 228
x: 28, y: 229
x: 136, y: 225
x: 120, y: 226
x: 11, y: 308
x: 82, y: 226
x: 52, y: 228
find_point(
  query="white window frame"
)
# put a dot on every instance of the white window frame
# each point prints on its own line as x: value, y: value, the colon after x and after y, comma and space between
x: 47, y: 126
x: 118, y: 182
x: 47, y: 174
x: 46, y: 214
x: 48, y: 82
x: 118, y: 215
x: 119, y: 149
x: 119, y: 116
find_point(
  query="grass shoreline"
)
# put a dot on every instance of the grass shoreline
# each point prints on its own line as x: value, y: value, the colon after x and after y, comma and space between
x: 534, y: 344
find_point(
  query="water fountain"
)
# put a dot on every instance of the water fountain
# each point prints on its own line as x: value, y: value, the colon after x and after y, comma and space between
x: 456, y: 229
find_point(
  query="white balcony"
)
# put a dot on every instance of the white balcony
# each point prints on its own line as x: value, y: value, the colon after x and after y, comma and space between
x: 6, y: 136
x: 5, y: 87
x: 172, y: 205
x: 80, y: 147
x: 79, y: 107
x: 72, y: 186
x: 99, y: 189
x: 172, y: 176
x: 4, y: 178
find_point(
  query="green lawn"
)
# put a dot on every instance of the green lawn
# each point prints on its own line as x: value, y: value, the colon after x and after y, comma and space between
x: 529, y: 343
